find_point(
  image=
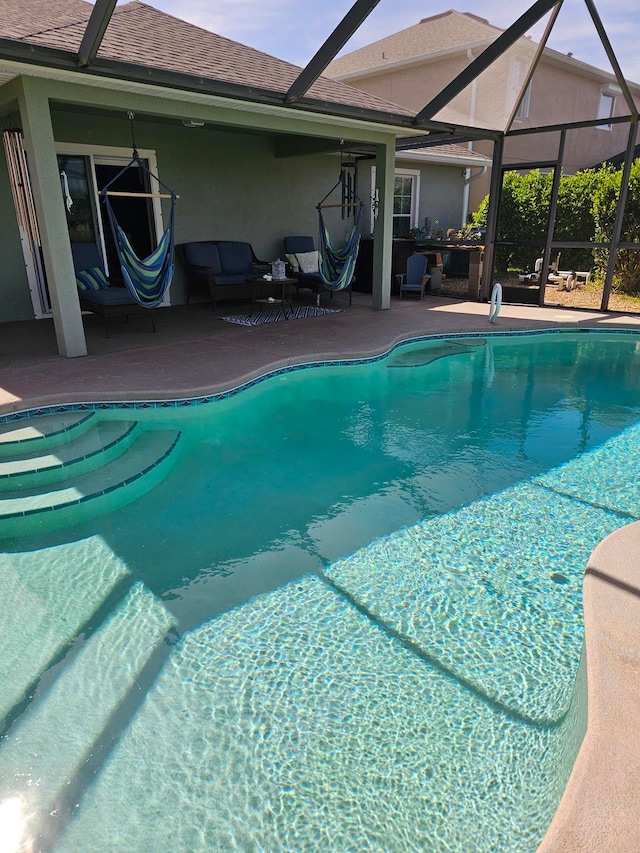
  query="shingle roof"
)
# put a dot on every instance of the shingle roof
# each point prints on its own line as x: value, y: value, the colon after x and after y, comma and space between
x: 446, y: 151
x: 20, y: 20
x: 140, y: 34
x: 439, y: 32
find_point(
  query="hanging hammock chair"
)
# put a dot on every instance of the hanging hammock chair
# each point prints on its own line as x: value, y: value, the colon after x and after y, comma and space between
x: 337, y: 264
x: 147, y: 279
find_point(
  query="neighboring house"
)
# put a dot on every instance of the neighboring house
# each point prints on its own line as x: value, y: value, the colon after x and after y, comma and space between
x: 211, y: 119
x: 412, y: 66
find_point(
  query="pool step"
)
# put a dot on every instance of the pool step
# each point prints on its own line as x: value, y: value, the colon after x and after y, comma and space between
x: 103, y: 442
x: 45, y: 506
x: 25, y: 434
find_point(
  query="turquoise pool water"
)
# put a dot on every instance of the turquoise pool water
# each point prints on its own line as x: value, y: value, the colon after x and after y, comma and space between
x: 348, y: 619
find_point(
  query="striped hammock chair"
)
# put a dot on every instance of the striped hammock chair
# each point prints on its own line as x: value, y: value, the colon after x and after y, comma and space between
x: 147, y: 279
x: 337, y: 264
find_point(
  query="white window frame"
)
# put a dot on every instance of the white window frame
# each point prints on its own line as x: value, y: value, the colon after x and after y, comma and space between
x: 607, y: 96
x: 525, y: 104
x: 415, y: 193
x: 105, y: 155
x: 520, y: 68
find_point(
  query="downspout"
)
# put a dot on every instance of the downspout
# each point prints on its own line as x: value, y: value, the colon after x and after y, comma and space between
x: 467, y: 172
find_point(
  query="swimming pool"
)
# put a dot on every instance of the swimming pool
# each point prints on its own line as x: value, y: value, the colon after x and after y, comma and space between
x: 348, y: 617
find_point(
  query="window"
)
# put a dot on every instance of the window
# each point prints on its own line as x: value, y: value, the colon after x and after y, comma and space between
x: 520, y: 68
x: 77, y: 192
x: 523, y: 109
x: 606, y: 108
x: 402, y: 205
x: 406, y: 199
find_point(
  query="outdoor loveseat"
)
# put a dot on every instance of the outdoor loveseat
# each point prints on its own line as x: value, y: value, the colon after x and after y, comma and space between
x: 223, y: 269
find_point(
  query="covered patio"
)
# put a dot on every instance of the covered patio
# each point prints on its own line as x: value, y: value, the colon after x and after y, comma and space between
x: 244, y: 136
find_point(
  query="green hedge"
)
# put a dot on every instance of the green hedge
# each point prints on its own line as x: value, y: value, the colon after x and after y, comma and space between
x: 585, y: 212
x: 627, y: 274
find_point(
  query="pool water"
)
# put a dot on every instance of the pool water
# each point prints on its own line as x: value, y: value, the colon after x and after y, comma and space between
x: 349, y: 618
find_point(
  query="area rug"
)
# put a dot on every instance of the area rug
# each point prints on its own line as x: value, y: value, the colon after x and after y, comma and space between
x: 300, y: 312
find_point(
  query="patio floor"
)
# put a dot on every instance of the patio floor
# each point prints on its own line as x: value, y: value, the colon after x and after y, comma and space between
x: 194, y: 352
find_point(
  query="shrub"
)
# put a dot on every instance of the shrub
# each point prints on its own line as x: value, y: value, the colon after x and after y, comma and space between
x: 524, y: 209
x: 627, y: 273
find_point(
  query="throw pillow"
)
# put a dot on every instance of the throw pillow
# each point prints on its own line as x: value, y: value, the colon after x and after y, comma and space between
x: 293, y: 263
x: 308, y: 261
x: 91, y: 279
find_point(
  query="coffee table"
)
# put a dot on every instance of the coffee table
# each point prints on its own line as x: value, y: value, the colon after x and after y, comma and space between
x: 282, y: 289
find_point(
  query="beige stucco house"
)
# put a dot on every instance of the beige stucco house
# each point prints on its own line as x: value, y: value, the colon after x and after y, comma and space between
x: 412, y: 66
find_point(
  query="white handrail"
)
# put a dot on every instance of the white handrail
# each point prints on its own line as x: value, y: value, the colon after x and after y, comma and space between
x: 496, y: 302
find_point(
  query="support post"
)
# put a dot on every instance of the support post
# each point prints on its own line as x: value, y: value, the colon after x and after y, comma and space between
x: 45, y: 177
x: 617, y: 227
x: 495, y: 189
x: 360, y: 10
x: 383, y: 225
x: 551, y: 221
x: 95, y: 30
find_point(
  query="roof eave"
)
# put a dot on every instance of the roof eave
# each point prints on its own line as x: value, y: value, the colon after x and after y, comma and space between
x: 583, y: 68
x: 431, y: 156
x: 432, y: 56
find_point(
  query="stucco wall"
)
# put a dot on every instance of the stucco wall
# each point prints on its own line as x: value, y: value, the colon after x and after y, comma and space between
x: 558, y: 94
x: 412, y: 86
x: 441, y: 194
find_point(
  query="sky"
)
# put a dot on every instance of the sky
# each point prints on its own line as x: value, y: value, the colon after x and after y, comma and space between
x: 295, y: 29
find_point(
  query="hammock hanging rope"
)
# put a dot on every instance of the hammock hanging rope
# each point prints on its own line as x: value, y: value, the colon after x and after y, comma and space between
x: 147, y: 279
x: 337, y: 264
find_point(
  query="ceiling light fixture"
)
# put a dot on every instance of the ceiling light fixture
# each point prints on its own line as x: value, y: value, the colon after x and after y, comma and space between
x: 191, y: 122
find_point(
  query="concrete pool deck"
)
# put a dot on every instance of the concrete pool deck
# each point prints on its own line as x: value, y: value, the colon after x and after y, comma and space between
x: 194, y: 353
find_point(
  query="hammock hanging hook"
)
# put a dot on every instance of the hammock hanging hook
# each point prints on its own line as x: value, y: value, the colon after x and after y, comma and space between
x: 131, y: 116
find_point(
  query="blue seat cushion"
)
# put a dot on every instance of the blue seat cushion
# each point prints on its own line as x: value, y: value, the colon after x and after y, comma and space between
x: 110, y: 296
x: 310, y: 276
x: 203, y: 254
x: 235, y: 258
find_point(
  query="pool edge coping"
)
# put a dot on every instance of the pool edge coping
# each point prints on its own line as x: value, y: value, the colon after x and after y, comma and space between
x: 599, y: 806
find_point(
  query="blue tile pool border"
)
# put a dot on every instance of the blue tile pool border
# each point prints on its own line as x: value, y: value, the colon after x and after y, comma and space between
x: 200, y: 400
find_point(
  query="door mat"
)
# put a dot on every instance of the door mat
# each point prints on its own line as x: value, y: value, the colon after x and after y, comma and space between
x: 300, y: 312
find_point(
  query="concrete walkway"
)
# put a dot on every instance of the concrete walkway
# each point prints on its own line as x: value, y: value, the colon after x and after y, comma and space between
x: 195, y: 353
